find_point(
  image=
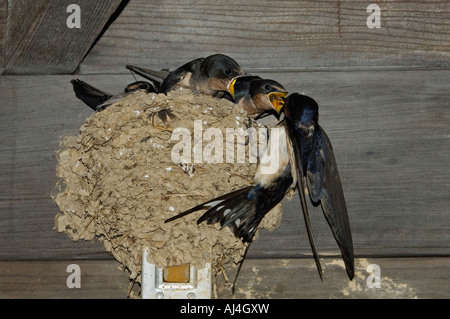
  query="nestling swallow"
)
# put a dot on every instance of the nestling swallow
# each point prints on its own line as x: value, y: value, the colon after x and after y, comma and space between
x: 209, y: 76
x: 305, y: 159
x: 98, y: 100
x: 256, y: 95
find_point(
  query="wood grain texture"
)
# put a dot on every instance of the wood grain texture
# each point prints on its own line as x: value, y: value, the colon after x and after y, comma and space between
x: 390, y: 131
x: 3, y: 15
x: 28, y: 279
x: 38, y: 40
x: 404, y: 278
x: 275, y: 34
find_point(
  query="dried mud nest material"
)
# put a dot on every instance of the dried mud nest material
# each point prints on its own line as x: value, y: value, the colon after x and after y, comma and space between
x: 118, y: 182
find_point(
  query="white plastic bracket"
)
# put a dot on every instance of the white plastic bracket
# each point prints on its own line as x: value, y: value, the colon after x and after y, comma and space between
x: 154, y: 287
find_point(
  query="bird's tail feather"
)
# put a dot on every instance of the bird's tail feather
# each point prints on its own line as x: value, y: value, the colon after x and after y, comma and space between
x: 90, y: 95
x: 235, y: 210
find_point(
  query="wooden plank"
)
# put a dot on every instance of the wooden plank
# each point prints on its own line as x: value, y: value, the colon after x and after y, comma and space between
x: 39, y: 40
x: 37, y: 121
x: 37, y: 279
x: 259, y: 278
x: 297, y: 278
x: 3, y: 15
x: 282, y: 35
x: 390, y: 131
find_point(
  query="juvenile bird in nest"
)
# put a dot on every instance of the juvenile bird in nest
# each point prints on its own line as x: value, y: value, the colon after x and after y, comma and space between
x: 303, y: 159
x: 209, y: 76
x: 257, y: 96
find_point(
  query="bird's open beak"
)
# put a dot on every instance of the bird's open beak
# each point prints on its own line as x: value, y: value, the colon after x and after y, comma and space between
x: 231, y: 87
x: 277, y: 99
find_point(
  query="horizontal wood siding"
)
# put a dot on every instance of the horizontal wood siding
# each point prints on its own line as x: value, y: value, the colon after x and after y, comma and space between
x: 390, y: 131
x: 275, y: 34
x: 259, y: 278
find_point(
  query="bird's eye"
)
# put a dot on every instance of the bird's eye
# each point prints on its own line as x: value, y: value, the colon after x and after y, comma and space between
x: 227, y: 72
x: 268, y: 87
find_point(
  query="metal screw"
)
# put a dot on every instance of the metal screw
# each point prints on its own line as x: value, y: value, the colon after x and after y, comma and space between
x: 191, y: 295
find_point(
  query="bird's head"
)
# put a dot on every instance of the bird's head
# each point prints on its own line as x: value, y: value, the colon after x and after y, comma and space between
x: 221, y: 69
x: 268, y: 95
x: 262, y: 94
x: 239, y: 86
x: 301, y: 109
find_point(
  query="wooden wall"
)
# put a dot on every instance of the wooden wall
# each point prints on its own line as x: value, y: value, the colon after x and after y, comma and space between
x: 384, y: 96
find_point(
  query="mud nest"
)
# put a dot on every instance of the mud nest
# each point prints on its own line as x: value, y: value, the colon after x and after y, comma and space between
x: 119, y: 182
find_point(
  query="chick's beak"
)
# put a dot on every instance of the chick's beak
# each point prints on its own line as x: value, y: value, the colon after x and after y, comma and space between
x: 231, y: 87
x: 277, y: 99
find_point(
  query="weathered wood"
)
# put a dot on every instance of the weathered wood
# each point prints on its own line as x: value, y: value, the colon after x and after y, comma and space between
x: 390, y: 131
x: 297, y: 278
x: 37, y: 279
x: 275, y: 35
x: 3, y: 15
x: 39, y: 41
x: 259, y: 278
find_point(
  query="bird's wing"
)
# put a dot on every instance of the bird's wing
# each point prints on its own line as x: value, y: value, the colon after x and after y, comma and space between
x: 297, y: 171
x: 325, y: 184
x: 180, y: 75
x: 155, y: 77
x: 152, y: 75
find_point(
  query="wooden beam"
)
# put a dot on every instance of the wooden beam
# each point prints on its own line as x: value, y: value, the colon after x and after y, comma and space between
x: 3, y: 16
x: 389, y: 131
x: 259, y: 278
x: 39, y: 41
x: 37, y: 279
x: 401, y: 278
x: 275, y: 35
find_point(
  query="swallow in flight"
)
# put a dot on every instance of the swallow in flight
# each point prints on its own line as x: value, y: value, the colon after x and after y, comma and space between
x: 98, y: 100
x: 209, y: 76
x: 304, y: 158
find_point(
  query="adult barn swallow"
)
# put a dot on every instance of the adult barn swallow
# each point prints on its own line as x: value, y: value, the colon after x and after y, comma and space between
x: 256, y: 95
x: 209, y: 76
x: 305, y: 158
x: 316, y: 170
x: 98, y: 100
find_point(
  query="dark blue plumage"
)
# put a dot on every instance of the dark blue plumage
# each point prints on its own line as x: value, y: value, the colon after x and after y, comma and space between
x: 316, y: 164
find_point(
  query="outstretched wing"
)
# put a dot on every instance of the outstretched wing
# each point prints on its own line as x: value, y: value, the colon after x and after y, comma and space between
x: 324, y: 185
